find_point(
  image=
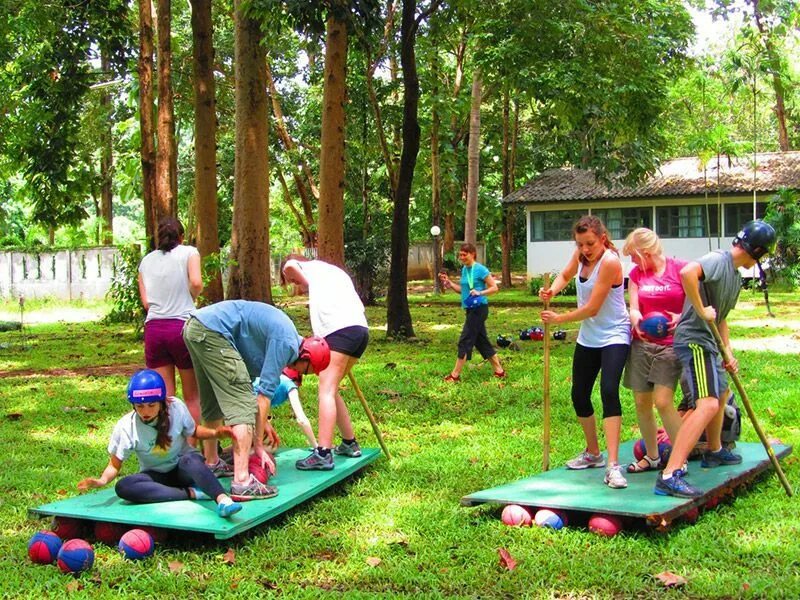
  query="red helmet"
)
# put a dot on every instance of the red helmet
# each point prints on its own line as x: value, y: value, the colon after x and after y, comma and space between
x: 293, y: 374
x: 315, y: 349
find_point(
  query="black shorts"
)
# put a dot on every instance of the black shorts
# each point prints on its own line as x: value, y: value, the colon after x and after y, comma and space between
x: 351, y: 341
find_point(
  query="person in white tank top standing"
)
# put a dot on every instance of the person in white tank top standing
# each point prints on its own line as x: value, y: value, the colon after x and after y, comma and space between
x: 169, y: 282
x: 603, y: 341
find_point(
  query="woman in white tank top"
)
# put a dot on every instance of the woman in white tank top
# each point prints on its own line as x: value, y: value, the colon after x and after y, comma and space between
x: 603, y: 341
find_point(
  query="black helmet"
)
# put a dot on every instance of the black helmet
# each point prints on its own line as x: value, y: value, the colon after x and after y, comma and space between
x: 757, y: 238
x: 503, y: 341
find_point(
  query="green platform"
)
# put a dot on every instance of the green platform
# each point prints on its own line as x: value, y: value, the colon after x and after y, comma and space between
x: 294, y: 488
x: 584, y: 491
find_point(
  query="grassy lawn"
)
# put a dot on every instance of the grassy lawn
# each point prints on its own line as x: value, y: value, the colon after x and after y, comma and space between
x: 446, y: 440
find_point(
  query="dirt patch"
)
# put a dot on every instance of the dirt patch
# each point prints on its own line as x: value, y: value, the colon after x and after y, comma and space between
x: 101, y: 371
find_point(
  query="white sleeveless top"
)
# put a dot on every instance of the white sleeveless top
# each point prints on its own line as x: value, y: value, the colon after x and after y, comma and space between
x: 611, y: 325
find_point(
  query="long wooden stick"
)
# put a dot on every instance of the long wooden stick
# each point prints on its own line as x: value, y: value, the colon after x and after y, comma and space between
x: 750, y: 412
x: 546, y: 387
x: 370, y: 416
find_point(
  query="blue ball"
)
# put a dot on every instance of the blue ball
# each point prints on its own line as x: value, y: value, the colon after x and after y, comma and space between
x: 75, y: 556
x: 472, y: 301
x: 136, y: 544
x: 43, y: 547
x: 549, y: 518
x: 655, y: 325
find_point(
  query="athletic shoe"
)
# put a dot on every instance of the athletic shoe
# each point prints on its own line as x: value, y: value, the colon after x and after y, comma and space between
x: 315, y: 462
x: 221, y: 468
x: 614, y: 477
x: 676, y: 486
x: 723, y: 456
x: 585, y: 460
x: 344, y: 449
x: 252, y: 490
x: 226, y: 509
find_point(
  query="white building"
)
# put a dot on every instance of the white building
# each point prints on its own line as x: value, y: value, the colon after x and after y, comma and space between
x: 692, y: 209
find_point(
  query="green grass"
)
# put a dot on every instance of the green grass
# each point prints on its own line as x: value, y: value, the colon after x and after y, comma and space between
x: 446, y: 441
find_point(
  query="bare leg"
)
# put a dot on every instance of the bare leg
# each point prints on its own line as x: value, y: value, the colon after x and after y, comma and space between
x: 191, y: 393
x: 460, y: 362
x: 495, y: 361
x: 664, y: 398
x: 589, y: 425
x: 167, y: 372
x: 690, y: 431
x: 242, y: 444
x: 611, y: 429
x: 647, y: 422
x: 329, y: 381
x: 210, y: 446
x: 714, y: 428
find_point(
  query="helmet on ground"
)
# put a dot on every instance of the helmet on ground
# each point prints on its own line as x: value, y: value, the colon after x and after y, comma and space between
x: 536, y: 333
x: 146, y: 386
x: 757, y: 238
x: 503, y: 341
x: 560, y: 335
x: 315, y: 349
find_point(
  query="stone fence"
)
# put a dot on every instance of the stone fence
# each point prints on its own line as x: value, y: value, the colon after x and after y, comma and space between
x: 81, y: 273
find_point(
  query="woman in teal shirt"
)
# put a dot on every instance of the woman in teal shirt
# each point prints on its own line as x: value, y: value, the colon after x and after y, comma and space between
x: 476, y: 283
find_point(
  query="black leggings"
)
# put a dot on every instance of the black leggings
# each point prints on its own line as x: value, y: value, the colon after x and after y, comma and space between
x: 473, y: 334
x: 609, y: 361
x: 147, y: 487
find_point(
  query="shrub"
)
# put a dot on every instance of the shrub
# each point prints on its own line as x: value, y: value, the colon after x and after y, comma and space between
x: 124, y: 291
x: 536, y: 283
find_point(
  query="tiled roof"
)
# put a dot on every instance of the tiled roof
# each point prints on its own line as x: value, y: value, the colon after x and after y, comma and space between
x: 678, y: 177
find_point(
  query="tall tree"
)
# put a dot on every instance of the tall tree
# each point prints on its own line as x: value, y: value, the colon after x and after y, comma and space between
x: 205, y: 141
x: 147, y: 148
x: 106, y: 159
x: 166, y: 200
x: 398, y: 315
x: 473, y: 161
x: 331, y: 160
x: 249, y: 276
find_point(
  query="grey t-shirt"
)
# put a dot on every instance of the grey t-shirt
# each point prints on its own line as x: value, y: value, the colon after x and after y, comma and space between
x: 719, y: 288
x: 132, y: 435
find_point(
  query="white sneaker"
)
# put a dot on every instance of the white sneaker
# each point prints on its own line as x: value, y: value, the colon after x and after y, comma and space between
x: 614, y: 477
x: 585, y: 460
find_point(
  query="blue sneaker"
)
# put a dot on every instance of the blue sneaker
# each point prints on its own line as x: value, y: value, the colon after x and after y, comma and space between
x: 676, y: 486
x: 226, y: 509
x: 723, y: 456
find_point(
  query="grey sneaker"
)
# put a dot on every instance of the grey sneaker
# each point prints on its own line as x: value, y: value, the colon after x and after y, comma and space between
x: 221, y: 468
x: 585, y: 460
x: 344, y: 449
x: 252, y: 490
x: 614, y: 477
x: 315, y: 462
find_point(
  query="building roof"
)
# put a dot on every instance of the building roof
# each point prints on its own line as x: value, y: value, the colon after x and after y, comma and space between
x: 677, y: 177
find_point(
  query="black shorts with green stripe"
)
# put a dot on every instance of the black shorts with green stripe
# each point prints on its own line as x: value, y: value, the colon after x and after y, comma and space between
x: 703, y: 370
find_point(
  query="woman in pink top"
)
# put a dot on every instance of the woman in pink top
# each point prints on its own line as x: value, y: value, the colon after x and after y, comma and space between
x: 653, y: 369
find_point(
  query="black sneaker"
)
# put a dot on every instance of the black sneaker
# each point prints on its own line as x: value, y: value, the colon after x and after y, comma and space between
x: 344, y: 449
x: 315, y: 462
x: 676, y: 486
x: 723, y: 456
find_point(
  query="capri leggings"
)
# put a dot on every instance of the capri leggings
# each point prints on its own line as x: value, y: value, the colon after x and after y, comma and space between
x: 473, y: 334
x: 609, y: 361
x: 153, y: 486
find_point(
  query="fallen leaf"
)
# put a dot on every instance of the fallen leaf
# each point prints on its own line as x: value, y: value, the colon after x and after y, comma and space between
x: 229, y: 557
x: 373, y: 561
x: 390, y: 365
x: 770, y: 412
x: 474, y: 459
x: 506, y: 560
x: 671, y: 580
x: 14, y: 416
x: 175, y: 566
x: 74, y: 586
x: 745, y: 586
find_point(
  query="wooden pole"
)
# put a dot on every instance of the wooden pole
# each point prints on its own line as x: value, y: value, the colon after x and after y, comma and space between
x: 546, y: 385
x: 750, y: 412
x: 370, y: 416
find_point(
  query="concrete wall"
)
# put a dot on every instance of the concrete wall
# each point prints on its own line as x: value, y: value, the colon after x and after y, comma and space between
x: 65, y: 274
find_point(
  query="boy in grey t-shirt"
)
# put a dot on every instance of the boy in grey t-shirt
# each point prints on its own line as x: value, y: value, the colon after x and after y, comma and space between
x: 712, y: 285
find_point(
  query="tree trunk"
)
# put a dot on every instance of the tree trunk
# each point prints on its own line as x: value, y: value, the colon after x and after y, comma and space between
x: 436, y: 183
x: 205, y: 147
x: 473, y: 161
x: 398, y: 314
x: 147, y: 149
x: 106, y: 160
x: 457, y: 132
x: 250, y: 275
x: 506, y: 232
x: 777, y: 82
x: 331, y: 161
x: 166, y: 149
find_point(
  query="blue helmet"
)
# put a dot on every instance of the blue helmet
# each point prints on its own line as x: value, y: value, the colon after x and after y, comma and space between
x: 146, y: 386
x: 757, y: 238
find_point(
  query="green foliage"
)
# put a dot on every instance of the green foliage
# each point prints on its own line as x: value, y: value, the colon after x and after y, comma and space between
x: 126, y: 305
x: 783, y: 213
x: 536, y: 283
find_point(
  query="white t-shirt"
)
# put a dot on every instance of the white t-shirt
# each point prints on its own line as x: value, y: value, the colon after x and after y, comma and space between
x: 333, y: 303
x: 611, y: 324
x: 166, y: 283
x: 131, y: 435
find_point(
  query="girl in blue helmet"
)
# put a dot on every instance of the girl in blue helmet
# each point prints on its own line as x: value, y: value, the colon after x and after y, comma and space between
x: 156, y: 430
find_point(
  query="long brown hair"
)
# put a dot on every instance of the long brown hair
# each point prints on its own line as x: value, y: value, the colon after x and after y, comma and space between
x: 596, y: 226
x: 163, y: 440
x: 170, y: 232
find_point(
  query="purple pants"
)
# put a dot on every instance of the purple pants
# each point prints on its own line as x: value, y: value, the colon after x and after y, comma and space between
x: 164, y: 345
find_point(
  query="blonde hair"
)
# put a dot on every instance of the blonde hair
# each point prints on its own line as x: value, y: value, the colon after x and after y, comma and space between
x: 642, y: 240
